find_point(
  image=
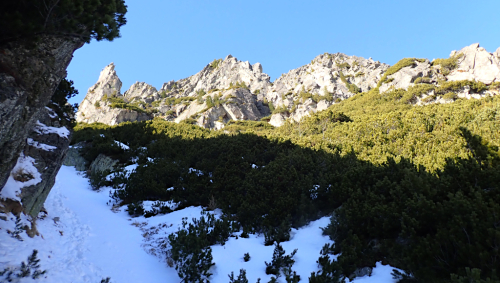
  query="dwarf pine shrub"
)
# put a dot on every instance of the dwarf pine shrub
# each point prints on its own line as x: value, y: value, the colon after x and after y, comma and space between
x: 30, y: 269
x: 190, y: 246
x: 242, y: 277
x: 280, y: 261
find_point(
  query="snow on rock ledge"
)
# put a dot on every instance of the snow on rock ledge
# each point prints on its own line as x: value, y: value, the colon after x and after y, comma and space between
x: 38, y: 165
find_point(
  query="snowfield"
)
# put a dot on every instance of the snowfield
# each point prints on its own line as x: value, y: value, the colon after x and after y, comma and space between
x: 82, y: 239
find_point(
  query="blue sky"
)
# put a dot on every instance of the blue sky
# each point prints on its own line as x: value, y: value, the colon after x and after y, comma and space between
x: 171, y: 40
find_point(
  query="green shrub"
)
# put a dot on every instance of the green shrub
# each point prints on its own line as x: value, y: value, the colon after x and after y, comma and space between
x: 189, y: 121
x: 190, y: 246
x: 280, y: 261
x: 495, y: 85
x: 351, y: 87
x: 242, y: 277
x: 98, y: 179
x: 135, y: 209
x: 277, y: 234
x: 238, y: 85
x: 406, y: 62
x: 474, y: 276
x: 429, y: 98
x: 281, y: 109
x: 215, y: 63
x: 59, y: 103
x: 422, y: 80
x: 118, y: 102
x: 330, y: 271
x: 456, y: 86
x: 450, y: 96
x: 30, y: 269
x: 342, y: 65
x: 210, y: 102
x: 199, y: 96
x: 101, y: 20
x: 449, y: 64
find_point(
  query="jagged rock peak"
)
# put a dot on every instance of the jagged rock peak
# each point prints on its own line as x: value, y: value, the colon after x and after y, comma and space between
x: 108, y: 84
x: 317, y: 85
x: 324, y: 71
x: 221, y: 74
x: 103, y: 102
x: 141, y: 91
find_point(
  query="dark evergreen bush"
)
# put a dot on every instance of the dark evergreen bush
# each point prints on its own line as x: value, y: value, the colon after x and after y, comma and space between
x: 85, y: 19
x: 190, y: 246
x: 280, y: 262
x: 30, y: 269
x: 330, y: 272
x: 242, y: 277
x: 135, y: 209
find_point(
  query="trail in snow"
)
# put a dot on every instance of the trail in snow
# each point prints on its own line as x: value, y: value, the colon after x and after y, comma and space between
x: 83, y: 240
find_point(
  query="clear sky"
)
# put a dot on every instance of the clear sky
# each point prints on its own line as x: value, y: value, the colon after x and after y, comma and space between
x: 174, y: 39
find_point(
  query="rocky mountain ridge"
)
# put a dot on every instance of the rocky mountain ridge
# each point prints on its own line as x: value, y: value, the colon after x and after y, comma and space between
x: 230, y: 89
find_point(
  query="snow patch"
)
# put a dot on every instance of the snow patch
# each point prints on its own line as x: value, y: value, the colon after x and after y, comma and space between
x: 26, y: 174
x: 40, y: 145
x: 196, y: 171
x: 51, y: 112
x: 44, y: 129
x: 122, y: 145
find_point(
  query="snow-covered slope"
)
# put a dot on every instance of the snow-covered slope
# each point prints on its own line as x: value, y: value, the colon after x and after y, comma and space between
x: 83, y: 240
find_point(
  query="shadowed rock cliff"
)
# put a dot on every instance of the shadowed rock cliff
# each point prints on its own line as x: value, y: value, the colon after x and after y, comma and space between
x: 29, y: 75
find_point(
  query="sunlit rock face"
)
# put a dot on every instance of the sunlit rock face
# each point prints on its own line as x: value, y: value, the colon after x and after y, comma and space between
x: 96, y: 108
x: 230, y: 89
x: 476, y: 64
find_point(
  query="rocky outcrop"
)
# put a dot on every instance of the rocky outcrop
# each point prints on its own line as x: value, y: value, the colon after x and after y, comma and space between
x: 29, y: 75
x: 230, y: 89
x: 221, y: 74
x: 233, y: 104
x: 47, y: 144
x: 476, y: 64
x: 74, y: 158
x: 34, y: 174
x: 471, y: 63
x: 407, y: 75
x: 142, y: 92
x: 318, y: 85
x: 102, y: 164
x: 104, y: 99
